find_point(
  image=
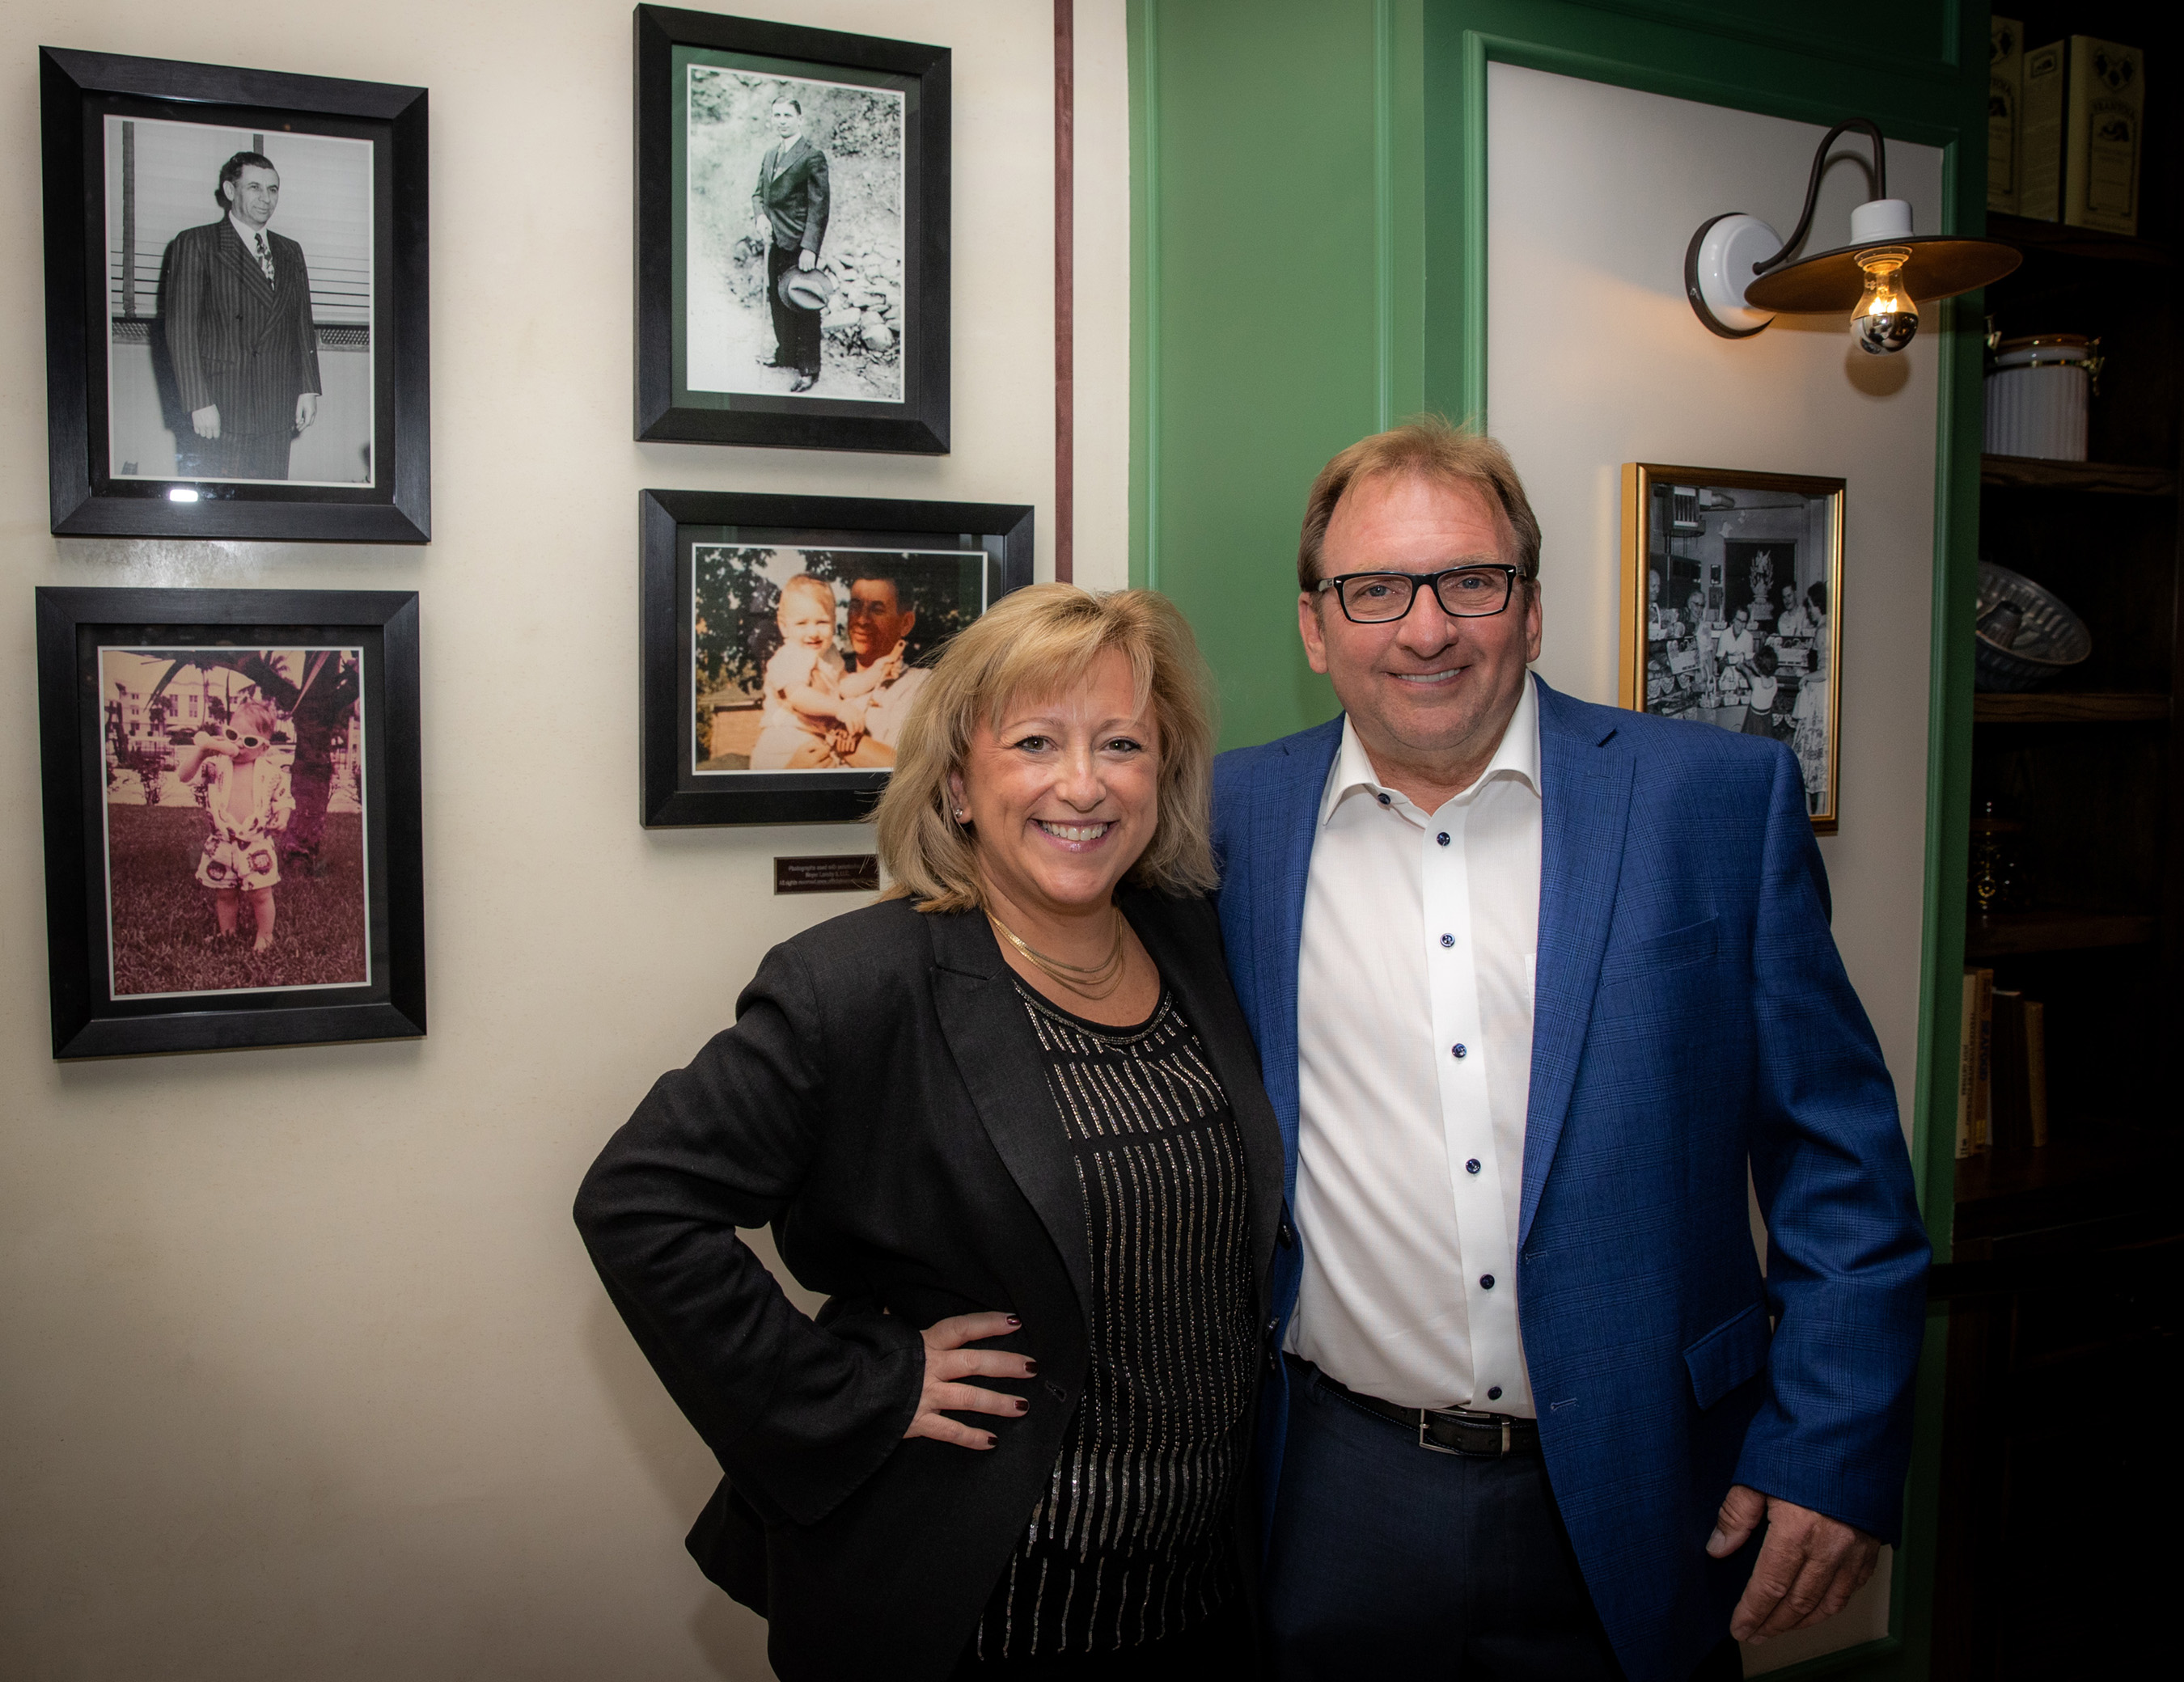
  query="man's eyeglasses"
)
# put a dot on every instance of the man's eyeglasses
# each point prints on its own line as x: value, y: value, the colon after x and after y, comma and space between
x: 1472, y: 592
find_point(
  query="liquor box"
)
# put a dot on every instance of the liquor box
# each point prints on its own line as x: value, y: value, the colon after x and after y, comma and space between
x: 2101, y: 154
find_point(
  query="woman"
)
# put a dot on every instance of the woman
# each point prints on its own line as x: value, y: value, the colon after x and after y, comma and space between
x: 1010, y: 1120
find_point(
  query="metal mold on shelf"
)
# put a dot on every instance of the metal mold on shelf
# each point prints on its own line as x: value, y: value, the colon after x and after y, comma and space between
x: 2026, y: 637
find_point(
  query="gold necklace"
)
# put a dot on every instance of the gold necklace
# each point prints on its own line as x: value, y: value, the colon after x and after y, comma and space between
x: 1088, y: 981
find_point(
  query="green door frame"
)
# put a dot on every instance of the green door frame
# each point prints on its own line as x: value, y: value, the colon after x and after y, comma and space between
x: 1429, y: 148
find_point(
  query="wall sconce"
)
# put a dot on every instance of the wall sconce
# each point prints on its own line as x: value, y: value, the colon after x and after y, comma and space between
x: 1738, y: 275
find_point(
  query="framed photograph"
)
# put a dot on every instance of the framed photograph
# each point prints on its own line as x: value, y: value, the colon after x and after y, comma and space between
x: 1732, y: 608
x: 233, y: 848
x: 236, y: 339
x: 783, y: 639
x: 792, y: 235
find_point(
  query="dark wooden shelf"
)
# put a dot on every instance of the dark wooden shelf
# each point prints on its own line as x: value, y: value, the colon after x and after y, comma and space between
x: 2107, y: 1167
x: 2064, y: 241
x: 2007, y: 933
x: 2036, y: 473
x: 2048, y: 707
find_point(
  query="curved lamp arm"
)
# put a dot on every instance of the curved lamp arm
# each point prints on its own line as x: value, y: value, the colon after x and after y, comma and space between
x: 1813, y: 188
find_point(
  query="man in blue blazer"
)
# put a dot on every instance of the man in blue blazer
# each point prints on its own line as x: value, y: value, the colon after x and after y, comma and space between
x: 1536, y: 984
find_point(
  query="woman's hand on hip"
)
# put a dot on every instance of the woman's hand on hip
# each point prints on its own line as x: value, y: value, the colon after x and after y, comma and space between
x: 947, y: 1362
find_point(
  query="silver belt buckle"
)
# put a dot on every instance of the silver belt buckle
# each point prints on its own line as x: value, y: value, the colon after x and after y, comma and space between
x: 1425, y: 1442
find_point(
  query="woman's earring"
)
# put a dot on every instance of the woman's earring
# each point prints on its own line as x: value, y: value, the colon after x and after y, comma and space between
x: 959, y: 814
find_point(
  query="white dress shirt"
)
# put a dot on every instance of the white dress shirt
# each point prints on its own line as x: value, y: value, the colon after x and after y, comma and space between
x: 1421, y: 935
x: 890, y: 706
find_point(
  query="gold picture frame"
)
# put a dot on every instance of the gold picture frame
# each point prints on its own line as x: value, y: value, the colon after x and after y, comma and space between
x: 1732, y: 610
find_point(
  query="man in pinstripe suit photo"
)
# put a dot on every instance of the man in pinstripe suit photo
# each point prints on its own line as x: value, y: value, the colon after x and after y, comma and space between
x: 235, y: 308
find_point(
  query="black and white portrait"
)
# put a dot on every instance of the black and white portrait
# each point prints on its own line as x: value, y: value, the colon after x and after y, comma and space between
x: 794, y: 213
x: 1736, y: 579
x: 809, y: 658
x: 240, y: 286
x: 235, y: 807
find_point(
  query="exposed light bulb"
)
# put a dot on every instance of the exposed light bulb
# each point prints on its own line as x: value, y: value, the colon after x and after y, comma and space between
x: 1886, y: 319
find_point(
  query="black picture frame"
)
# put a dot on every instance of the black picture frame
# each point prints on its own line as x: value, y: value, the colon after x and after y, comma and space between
x: 675, y: 792
x: 89, y: 1020
x: 78, y: 92
x: 916, y: 421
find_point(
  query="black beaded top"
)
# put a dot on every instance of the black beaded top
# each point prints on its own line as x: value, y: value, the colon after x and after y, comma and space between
x: 1133, y: 1539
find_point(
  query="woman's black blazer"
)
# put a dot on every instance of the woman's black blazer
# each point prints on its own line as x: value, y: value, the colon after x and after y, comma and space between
x: 881, y: 1101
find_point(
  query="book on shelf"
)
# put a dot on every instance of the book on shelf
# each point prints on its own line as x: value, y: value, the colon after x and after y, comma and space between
x: 1967, y: 1060
x: 2005, y: 84
x: 2035, y: 1068
x: 2011, y: 1105
x: 1983, y: 1062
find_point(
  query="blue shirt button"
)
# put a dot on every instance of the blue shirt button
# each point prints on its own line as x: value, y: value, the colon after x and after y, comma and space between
x: 1494, y: 1395
x: 1472, y: 1167
x: 1385, y: 800
x: 1458, y: 1052
x: 1448, y: 940
x: 1486, y: 1282
x: 1442, y: 838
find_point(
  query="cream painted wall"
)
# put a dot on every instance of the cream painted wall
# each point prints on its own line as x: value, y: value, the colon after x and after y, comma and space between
x: 303, y: 1373
x: 1594, y: 359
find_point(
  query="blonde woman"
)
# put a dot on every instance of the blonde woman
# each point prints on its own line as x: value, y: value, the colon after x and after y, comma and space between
x: 1010, y: 1120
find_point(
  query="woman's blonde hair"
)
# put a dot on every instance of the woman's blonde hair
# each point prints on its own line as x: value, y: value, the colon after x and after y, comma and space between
x: 1042, y: 640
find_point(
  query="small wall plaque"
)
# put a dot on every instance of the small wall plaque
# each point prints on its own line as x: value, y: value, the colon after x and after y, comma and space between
x: 828, y: 873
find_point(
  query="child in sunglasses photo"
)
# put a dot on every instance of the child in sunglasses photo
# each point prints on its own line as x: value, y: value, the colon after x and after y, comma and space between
x: 248, y: 799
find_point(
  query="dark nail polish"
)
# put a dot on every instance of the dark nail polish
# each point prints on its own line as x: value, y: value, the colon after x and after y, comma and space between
x: 1013, y: 1320
x: 992, y: 1441
x: 1031, y: 1368
x: 1022, y: 1406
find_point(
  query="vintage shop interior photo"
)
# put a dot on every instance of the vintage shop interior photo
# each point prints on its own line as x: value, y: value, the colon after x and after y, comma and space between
x: 1252, y: 797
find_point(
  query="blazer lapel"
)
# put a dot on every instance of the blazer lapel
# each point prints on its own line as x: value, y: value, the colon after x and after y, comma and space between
x: 997, y: 1057
x: 1585, y: 806
x: 1209, y: 1005
x: 1283, y: 829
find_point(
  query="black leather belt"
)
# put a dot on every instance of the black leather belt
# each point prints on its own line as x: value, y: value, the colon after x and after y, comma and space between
x: 1453, y: 1430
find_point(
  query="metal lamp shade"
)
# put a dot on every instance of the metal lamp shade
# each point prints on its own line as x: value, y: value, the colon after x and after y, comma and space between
x: 1942, y: 265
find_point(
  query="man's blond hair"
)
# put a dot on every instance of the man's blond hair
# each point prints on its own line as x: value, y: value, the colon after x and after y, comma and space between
x: 1041, y: 641
x: 1426, y: 447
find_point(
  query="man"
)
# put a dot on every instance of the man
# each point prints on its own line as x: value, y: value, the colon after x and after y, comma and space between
x: 235, y: 315
x: 788, y: 214
x: 878, y: 623
x: 1533, y: 981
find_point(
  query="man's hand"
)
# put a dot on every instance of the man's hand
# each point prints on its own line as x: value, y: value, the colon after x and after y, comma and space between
x: 807, y: 260
x: 206, y: 420
x: 307, y: 409
x: 1809, y: 1566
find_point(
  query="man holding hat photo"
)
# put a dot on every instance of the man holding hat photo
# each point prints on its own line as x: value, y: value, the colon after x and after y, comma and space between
x: 788, y: 210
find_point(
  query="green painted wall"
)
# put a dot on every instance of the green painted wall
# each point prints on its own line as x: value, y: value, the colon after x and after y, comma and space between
x: 1266, y: 246
x: 1308, y: 264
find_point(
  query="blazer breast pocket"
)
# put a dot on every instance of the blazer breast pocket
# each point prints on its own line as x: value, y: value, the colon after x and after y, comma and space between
x: 1694, y: 944
x: 1733, y: 1353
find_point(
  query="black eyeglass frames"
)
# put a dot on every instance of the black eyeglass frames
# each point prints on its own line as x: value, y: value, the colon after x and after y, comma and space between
x: 1477, y: 590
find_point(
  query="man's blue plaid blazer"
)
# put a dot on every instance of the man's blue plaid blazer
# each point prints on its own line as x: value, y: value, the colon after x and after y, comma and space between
x: 1691, y: 1016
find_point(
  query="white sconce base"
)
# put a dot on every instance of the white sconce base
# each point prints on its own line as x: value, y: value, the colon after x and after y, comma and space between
x: 1718, y: 268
